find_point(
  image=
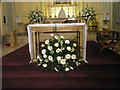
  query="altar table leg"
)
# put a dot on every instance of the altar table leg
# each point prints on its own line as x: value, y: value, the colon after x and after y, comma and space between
x: 34, y: 47
x: 38, y: 49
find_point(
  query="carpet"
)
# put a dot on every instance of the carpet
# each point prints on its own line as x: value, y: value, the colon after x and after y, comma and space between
x: 102, y: 71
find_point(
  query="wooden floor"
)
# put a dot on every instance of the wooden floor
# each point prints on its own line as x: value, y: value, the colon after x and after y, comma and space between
x: 21, y: 41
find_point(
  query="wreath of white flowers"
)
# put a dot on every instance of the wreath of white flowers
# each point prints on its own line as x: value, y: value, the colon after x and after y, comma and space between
x: 60, y: 54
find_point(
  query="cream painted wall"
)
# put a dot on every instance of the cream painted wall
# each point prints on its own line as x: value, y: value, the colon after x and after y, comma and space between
x: 8, y: 12
x: 21, y: 9
x: 0, y: 25
x: 0, y: 16
x: 116, y: 16
x: 102, y: 9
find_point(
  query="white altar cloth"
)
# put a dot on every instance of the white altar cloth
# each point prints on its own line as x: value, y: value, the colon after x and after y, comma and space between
x: 30, y: 26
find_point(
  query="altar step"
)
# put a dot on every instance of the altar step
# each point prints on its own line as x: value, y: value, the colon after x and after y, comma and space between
x: 61, y: 83
x: 86, y: 71
x: 102, y: 71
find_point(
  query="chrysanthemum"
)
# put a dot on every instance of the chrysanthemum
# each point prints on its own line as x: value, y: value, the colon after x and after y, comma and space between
x: 50, y: 58
x: 56, y: 44
x: 68, y: 56
x: 73, y: 56
x: 63, y: 61
x: 43, y: 51
x: 47, y: 42
x: 67, y: 41
x: 50, y: 48
x: 45, y: 65
x: 67, y: 69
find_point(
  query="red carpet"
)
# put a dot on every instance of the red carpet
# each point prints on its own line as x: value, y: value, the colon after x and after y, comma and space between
x: 102, y: 71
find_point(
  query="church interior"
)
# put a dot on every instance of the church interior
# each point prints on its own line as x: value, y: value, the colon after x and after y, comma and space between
x: 102, y: 21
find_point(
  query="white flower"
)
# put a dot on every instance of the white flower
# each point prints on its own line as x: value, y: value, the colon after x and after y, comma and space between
x: 56, y: 69
x: 87, y: 14
x: 67, y: 69
x: 52, y: 35
x: 63, y: 61
x: 56, y: 36
x: 50, y: 48
x: 58, y: 58
x: 67, y: 41
x: 40, y: 60
x: 44, y: 65
x: 73, y: 49
x: 42, y: 45
x: 63, y: 48
x: 43, y: 51
x: 58, y: 50
x: 71, y: 68
x: 77, y: 63
x: 73, y: 60
x: 36, y: 14
x: 69, y: 48
x: 73, y: 56
x: 62, y: 37
x: 50, y: 58
x: 67, y: 56
x: 46, y: 60
x: 47, y: 41
x: 61, y: 42
x: 74, y: 44
x: 45, y: 56
x: 56, y: 44
x: 38, y: 57
x: 39, y: 64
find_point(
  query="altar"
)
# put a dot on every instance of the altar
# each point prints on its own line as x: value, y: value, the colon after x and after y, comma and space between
x: 36, y: 30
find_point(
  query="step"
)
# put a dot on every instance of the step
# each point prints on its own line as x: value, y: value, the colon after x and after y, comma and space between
x: 61, y: 83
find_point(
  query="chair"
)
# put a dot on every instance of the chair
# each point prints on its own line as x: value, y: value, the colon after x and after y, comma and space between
x: 108, y: 39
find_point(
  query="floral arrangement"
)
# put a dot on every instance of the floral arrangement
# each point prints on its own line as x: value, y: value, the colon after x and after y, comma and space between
x: 36, y: 17
x: 88, y: 14
x: 60, y: 54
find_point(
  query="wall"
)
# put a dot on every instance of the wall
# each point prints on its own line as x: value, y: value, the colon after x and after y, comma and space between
x: 21, y: 9
x: 8, y: 12
x: 0, y: 15
x: 101, y: 9
x: 116, y: 19
x: 116, y: 16
x: 21, y: 13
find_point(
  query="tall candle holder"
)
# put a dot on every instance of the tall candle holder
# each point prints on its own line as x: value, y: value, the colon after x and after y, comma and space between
x: 55, y: 13
x: 68, y: 13
x: 73, y: 12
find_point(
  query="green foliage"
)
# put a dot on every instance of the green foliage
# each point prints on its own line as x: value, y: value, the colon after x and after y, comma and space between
x: 60, y: 54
